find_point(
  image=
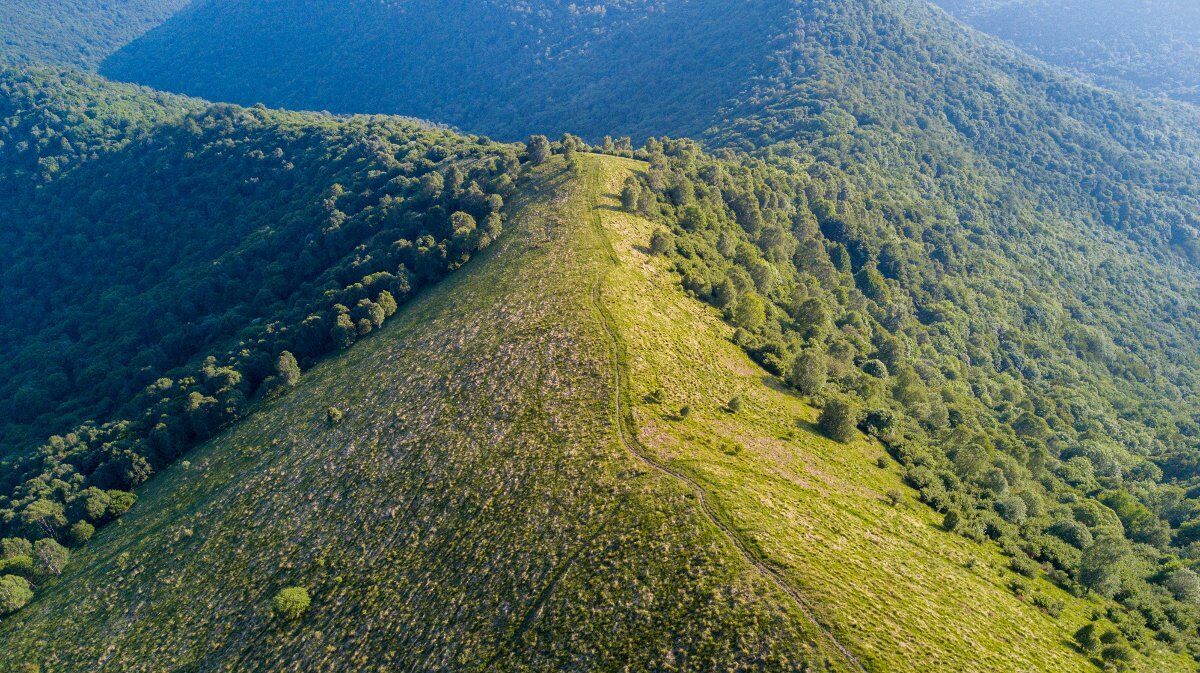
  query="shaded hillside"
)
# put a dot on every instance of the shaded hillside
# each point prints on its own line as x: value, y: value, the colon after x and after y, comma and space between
x: 472, y: 509
x: 168, y: 264
x: 507, y: 69
x: 79, y: 33
x: 1151, y: 47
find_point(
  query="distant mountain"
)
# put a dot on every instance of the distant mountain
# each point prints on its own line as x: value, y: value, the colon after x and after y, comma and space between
x: 79, y: 33
x: 1149, y: 46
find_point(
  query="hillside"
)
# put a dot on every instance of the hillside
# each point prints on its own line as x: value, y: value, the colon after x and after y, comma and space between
x: 79, y: 33
x: 478, y: 504
x: 473, y: 509
x: 1148, y: 47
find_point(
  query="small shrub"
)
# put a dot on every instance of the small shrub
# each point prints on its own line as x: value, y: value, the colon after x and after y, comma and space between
x: 1023, y: 565
x: 951, y: 521
x: 735, y: 404
x: 333, y: 416
x: 882, y: 463
x: 1051, y: 606
x: 291, y: 603
x: 1117, y: 655
x: 894, y: 497
x: 685, y: 411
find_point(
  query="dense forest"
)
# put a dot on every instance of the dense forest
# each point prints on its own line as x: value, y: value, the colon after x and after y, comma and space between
x: 214, y: 251
x: 1151, y: 47
x: 79, y: 33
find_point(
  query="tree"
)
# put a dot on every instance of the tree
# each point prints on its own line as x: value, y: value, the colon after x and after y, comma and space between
x: 1087, y: 639
x: 809, y: 372
x: 287, y: 369
x: 80, y: 532
x: 1184, y: 584
x: 291, y: 603
x: 14, y: 593
x: 49, y: 557
x: 839, y: 419
x: 1102, y: 564
x: 662, y: 242
x: 630, y: 194
x: 951, y: 520
x: 750, y: 312
x: 538, y: 150
x: 735, y: 404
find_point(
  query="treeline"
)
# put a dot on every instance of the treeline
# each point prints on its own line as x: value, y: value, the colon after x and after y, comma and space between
x: 173, y: 264
x: 1014, y: 416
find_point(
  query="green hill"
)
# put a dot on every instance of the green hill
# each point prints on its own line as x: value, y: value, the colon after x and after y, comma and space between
x: 79, y: 33
x: 478, y: 506
x: 472, y: 510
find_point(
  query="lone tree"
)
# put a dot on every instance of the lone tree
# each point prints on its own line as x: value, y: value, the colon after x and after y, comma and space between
x: 288, y: 369
x: 291, y: 603
x: 630, y: 194
x: 539, y: 149
x: 735, y: 404
x: 839, y: 419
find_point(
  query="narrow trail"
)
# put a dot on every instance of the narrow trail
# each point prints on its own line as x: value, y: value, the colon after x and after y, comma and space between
x: 634, y: 446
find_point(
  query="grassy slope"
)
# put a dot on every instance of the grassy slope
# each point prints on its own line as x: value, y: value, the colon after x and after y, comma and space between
x: 902, y: 594
x: 474, y: 510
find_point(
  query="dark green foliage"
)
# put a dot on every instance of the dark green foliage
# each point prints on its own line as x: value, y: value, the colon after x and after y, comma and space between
x: 1152, y: 47
x: 809, y: 372
x: 735, y: 404
x: 1087, y: 638
x: 76, y: 32
x: 1102, y: 566
x: 662, y: 242
x: 839, y: 419
x: 14, y: 593
x: 244, y: 234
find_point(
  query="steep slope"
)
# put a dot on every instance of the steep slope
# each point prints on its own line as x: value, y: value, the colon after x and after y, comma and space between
x: 473, y: 510
x: 493, y: 499
x: 79, y: 33
x: 1150, y: 47
x: 167, y: 264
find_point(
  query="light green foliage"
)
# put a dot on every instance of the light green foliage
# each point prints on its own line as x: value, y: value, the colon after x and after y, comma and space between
x: 291, y: 603
x: 14, y: 593
x: 49, y: 558
x: 287, y: 369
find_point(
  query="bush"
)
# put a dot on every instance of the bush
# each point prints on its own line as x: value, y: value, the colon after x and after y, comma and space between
x: 291, y: 603
x: 333, y: 416
x: 839, y: 419
x: 1023, y: 565
x: 735, y: 404
x: 80, y: 532
x: 1087, y: 638
x: 14, y: 593
x: 809, y: 372
x: 1118, y: 655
